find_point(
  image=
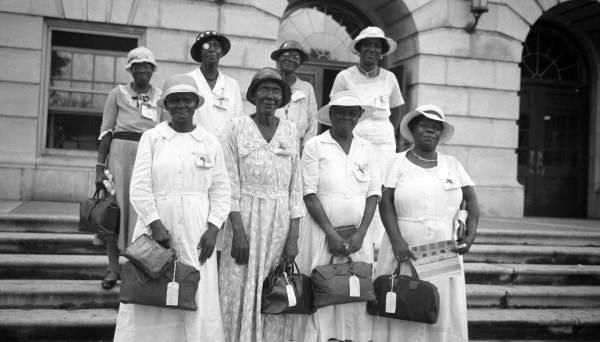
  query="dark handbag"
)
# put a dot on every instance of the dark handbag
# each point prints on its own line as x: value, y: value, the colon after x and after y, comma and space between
x: 138, y: 288
x: 416, y: 300
x: 274, y: 298
x: 149, y: 256
x: 345, y: 232
x: 100, y: 215
x: 331, y: 283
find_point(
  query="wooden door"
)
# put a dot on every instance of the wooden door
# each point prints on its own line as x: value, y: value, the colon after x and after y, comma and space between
x: 553, y: 149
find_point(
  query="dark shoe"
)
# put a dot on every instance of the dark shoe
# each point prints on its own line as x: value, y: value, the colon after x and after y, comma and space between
x: 110, y: 280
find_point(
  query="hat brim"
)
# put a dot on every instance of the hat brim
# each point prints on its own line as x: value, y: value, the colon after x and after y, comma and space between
x: 323, y: 113
x: 142, y: 60
x: 195, y: 50
x: 182, y: 88
x: 287, y: 91
x: 390, y: 42
x: 447, y: 128
x: 275, y: 54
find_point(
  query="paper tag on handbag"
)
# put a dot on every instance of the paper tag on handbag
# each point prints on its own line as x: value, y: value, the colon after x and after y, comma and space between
x: 291, y: 295
x: 390, y: 302
x: 172, y: 294
x: 354, y: 286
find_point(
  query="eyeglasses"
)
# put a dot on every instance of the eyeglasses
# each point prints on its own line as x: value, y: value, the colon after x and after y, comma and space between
x: 142, y: 67
x: 212, y: 45
x: 263, y: 92
x: 293, y: 55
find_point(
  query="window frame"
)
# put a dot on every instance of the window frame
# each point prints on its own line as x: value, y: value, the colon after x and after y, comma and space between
x: 49, y: 154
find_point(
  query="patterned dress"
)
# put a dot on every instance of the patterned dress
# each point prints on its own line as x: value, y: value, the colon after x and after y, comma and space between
x: 266, y: 188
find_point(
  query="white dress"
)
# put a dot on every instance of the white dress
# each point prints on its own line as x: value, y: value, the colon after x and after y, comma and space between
x: 426, y: 201
x: 382, y: 92
x: 181, y: 179
x: 342, y: 183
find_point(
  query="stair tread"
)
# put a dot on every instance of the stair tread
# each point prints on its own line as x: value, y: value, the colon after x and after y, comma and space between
x: 35, y: 236
x: 58, y: 317
x: 533, y: 249
x: 546, y: 316
x: 15, y: 260
x: 481, y: 267
x: 528, y: 290
x: 51, y: 286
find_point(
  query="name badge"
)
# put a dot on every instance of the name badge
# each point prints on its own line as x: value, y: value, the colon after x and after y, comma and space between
x: 148, y: 112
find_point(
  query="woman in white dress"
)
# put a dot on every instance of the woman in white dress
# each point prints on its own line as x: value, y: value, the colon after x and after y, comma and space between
x: 423, y: 191
x: 376, y: 87
x: 180, y: 190
x: 341, y: 188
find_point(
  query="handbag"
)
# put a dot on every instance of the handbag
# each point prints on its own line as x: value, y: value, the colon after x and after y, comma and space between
x: 343, y: 283
x: 149, y: 256
x: 100, y: 215
x: 138, y: 288
x: 345, y: 232
x: 415, y: 300
x: 275, y: 297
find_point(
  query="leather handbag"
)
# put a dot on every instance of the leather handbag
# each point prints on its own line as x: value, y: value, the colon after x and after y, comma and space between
x: 331, y: 283
x: 138, y: 288
x: 100, y: 215
x: 149, y: 256
x: 275, y: 297
x: 415, y: 300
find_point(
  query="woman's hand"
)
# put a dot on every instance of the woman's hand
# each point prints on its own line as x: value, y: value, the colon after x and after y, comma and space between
x: 290, y: 250
x: 100, y: 177
x: 402, y: 251
x: 160, y: 233
x: 207, y: 243
x: 355, y: 242
x: 240, y: 248
x: 463, y: 245
x: 337, y: 245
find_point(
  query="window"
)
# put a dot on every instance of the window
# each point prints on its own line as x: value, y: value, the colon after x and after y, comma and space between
x: 84, y: 67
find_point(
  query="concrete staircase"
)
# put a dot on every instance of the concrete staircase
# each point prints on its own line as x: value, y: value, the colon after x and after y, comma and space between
x: 528, y: 280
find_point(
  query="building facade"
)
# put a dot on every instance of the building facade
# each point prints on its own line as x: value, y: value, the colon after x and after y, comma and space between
x: 522, y: 89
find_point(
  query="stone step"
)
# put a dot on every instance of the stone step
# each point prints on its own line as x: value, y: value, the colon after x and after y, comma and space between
x: 87, y: 294
x: 57, y: 325
x: 564, y: 237
x: 56, y: 294
x: 548, y: 324
x: 44, y: 243
x: 533, y: 254
x: 483, y: 273
x: 39, y: 223
x: 50, y: 266
x: 98, y: 324
x: 528, y: 296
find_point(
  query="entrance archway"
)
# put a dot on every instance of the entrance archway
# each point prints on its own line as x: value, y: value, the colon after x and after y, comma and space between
x: 325, y: 29
x: 554, y: 124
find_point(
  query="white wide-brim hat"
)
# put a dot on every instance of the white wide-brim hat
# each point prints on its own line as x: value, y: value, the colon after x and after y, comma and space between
x: 140, y: 55
x: 377, y: 33
x: 180, y: 84
x: 429, y: 111
x: 345, y: 99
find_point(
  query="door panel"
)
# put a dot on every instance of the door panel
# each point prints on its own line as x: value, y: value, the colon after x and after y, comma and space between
x: 552, y: 151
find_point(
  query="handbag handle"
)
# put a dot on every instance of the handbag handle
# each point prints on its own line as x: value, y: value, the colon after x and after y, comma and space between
x: 413, y: 270
x: 96, y: 197
x: 349, y: 259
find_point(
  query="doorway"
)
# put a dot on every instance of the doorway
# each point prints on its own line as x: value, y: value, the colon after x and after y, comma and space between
x: 553, y: 126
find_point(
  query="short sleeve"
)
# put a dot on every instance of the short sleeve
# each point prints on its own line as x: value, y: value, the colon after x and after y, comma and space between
x: 109, y: 115
x: 392, y: 172
x: 310, y: 167
x: 461, y: 174
x: 396, y: 98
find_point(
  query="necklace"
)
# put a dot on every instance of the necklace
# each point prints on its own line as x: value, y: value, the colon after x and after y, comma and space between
x: 369, y: 74
x: 424, y: 159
